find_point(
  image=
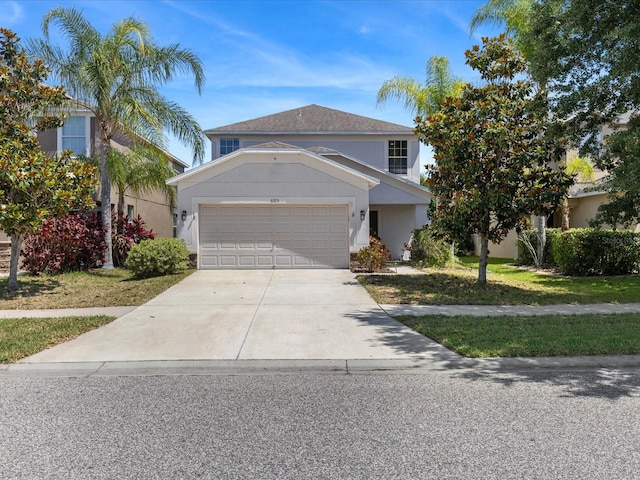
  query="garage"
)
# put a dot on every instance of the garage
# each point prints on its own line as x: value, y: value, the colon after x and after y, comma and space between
x: 273, y: 236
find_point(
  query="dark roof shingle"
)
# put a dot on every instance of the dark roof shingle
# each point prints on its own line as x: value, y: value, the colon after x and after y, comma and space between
x: 312, y: 119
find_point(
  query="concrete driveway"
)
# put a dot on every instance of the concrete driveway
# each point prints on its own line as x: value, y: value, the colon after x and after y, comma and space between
x: 251, y: 315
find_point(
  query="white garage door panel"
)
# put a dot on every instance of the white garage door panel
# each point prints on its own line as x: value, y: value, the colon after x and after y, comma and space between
x: 283, y: 236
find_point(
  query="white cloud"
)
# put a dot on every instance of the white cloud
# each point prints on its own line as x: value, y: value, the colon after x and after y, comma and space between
x: 12, y: 12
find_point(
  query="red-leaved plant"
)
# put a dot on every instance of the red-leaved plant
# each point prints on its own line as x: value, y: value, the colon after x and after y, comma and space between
x: 127, y: 233
x: 74, y: 242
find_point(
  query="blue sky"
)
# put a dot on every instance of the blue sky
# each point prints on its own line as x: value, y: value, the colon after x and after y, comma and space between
x: 263, y: 57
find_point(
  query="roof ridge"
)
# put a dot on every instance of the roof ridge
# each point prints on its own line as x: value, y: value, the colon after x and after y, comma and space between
x: 313, y: 119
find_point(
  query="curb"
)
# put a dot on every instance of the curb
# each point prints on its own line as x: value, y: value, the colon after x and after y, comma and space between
x: 292, y: 367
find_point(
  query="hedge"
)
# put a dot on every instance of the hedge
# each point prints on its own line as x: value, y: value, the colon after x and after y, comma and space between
x: 589, y: 251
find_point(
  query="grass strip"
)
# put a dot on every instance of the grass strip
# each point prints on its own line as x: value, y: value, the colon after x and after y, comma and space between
x: 507, y: 285
x: 21, y: 337
x: 532, y: 336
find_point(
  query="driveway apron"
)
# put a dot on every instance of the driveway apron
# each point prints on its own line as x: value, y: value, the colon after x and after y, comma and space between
x: 251, y: 314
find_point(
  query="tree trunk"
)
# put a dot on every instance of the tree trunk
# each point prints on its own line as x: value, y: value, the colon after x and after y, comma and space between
x: 452, y: 251
x: 120, y: 211
x: 16, y: 246
x: 105, y: 201
x: 542, y: 238
x: 565, y: 214
x: 482, y: 266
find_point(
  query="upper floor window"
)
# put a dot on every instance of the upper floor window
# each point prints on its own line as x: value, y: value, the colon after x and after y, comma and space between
x: 398, y: 156
x: 74, y: 135
x: 228, y: 145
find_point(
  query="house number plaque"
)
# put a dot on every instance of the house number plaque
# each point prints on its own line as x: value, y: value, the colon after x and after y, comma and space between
x: 275, y: 200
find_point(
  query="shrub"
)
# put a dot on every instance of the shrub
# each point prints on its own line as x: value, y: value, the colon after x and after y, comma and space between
x: 588, y: 251
x: 374, y: 256
x: 126, y: 234
x: 153, y: 258
x: 427, y: 250
x: 74, y: 242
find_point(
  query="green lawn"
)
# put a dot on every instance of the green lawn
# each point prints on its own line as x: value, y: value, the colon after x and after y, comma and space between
x: 507, y: 285
x: 21, y: 337
x: 535, y: 336
x: 95, y: 288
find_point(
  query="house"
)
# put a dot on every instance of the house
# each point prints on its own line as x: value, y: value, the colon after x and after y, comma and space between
x: 584, y: 199
x: 77, y: 134
x: 302, y: 188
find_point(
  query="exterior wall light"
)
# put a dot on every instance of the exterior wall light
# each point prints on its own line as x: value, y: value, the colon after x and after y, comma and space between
x: 184, y: 215
x: 362, y: 214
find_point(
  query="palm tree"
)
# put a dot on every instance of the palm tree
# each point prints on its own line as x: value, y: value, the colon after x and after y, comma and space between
x: 424, y: 99
x: 117, y: 77
x: 581, y: 168
x: 513, y: 14
x: 139, y: 172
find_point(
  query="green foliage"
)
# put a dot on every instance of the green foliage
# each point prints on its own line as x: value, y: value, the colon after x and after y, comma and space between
x: 621, y: 157
x: 140, y: 171
x: 492, y: 167
x: 127, y: 232
x: 118, y: 76
x: 33, y: 186
x: 160, y: 256
x: 587, y: 53
x: 426, y: 250
x: 587, y: 251
x: 373, y: 256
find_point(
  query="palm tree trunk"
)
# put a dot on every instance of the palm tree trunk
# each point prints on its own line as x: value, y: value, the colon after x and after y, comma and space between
x: 105, y: 200
x: 565, y: 214
x: 16, y: 246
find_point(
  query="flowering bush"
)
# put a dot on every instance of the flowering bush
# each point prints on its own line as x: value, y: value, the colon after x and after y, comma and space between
x: 74, y: 242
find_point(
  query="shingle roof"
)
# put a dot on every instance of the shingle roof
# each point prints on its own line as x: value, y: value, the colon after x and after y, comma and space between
x: 312, y: 119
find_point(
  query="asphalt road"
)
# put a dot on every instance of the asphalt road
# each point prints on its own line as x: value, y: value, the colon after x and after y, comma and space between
x: 437, y: 425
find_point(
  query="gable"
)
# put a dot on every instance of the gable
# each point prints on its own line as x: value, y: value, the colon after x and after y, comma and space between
x: 282, y: 165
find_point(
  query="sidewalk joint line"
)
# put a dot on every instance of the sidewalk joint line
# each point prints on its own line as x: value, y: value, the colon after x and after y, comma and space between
x: 246, y: 335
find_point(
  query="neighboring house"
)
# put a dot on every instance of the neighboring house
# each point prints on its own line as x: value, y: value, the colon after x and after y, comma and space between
x: 584, y: 200
x: 302, y: 188
x: 77, y: 135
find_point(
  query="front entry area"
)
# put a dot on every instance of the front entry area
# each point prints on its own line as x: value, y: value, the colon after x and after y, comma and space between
x: 273, y: 236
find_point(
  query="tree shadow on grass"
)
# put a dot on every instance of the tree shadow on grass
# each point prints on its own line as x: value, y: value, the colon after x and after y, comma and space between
x: 28, y: 286
x: 610, y: 384
x: 441, y: 288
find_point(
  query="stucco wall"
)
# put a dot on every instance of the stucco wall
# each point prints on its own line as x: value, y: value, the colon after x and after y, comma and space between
x: 153, y: 209
x: 372, y: 150
x: 396, y: 223
x: 274, y: 179
x: 508, y: 248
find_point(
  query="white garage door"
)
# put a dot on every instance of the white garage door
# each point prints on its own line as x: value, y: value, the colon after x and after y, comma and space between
x: 273, y: 236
